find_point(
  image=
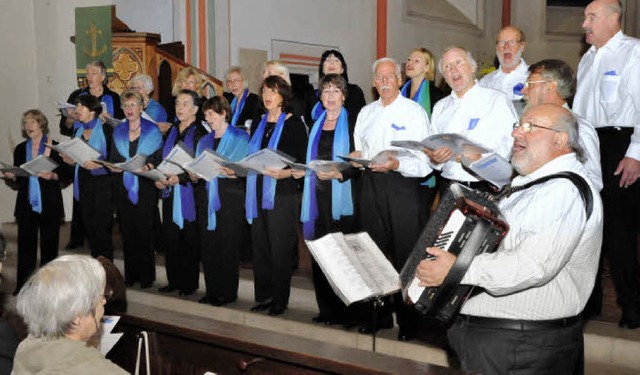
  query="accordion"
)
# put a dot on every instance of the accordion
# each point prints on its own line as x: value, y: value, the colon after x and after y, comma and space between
x: 466, y: 224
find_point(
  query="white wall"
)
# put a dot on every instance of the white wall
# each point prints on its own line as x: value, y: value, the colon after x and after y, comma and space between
x: 151, y: 16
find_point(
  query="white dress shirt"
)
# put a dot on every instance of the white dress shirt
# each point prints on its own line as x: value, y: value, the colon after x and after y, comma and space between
x: 485, y: 116
x: 546, y: 265
x: 403, y: 119
x: 590, y: 144
x: 608, y: 92
x: 506, y: 82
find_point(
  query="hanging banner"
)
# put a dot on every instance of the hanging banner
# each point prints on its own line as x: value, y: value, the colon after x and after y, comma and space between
x: 93, y: 37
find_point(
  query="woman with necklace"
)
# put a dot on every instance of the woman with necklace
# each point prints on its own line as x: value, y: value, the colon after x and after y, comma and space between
x: 135, y: 197
x: 92, y: 182
x: 220, y: 206
x: 180, y: 230
x: 327, y: 198
x: 273, y: 199
x: 39, y: 201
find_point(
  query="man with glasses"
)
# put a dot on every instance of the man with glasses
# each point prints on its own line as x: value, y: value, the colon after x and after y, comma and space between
x: 391, y: 201
x: 483, y: 115
x: 551, y: 82
x: 539, y: 280
x: 512, y: 72
x: 608, y: 95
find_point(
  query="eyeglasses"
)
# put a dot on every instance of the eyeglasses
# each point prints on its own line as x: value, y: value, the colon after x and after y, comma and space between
x: 331, y: 92
x: 453, y: 64
x: 387, y: 77
x: 529, y: 83
x: 230, y: 81
x: 130, y: 105
x: 526, y: 127
x: 107, y: 296
x: 510, y: 43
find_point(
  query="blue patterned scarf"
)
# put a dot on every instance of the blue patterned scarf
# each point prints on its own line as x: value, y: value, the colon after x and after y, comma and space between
x: 150, y: 140
x: 98, y: 141
x: 35, y: 195
x: 422, y: 96
x: 184, y: 207
x: 235, y: 112
x: 341, y: 199
x: 268, y: 183
x: 233, y: 146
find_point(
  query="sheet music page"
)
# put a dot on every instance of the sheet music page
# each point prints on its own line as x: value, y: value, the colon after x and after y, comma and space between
x: 364, y: 162
x: 297, y: 166
x: 491, y: 167
x: 409, y: 144
x: 146, y: 116
x: 179, y: 156
x: 66, y: 108
x: 167, y: 169
x: 263, y: 159
x: 9, y: 168
x: 134, y: 164
x: 107, y: 338
x: 154, y: 174
x: 39, y: 164
x: 456, y: 142
x: 380, y: 271
x: 340, y: 265
x: 328, y: 165
x: 206, y: 166
x: 77, y: 149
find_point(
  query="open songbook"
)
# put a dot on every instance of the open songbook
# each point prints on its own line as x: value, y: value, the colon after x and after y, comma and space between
x: 31, y: 168
x: 66, y: 108
x: 459, y: 144
x: 354, y: 266
x: 135, y: 164
x: 176, y: 161
x: 319, y: 165
x: 490, y: 167
x: 265, y: 158
x: 206, y: 166
x: 77, y: 149
x: 381, y: 158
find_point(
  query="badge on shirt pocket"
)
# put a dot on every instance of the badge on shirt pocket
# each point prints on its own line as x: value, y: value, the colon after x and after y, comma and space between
x: 396, y: 127
x: 473, y: 123
x: 609, y: 86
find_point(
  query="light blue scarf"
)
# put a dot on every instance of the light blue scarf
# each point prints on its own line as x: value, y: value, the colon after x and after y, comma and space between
x: 184, y: 207
x: 98, y: 141
x: 237, y: 111
x: 35, y: 195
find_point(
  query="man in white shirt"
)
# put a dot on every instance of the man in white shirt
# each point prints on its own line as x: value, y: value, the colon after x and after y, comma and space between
x: 551, y: 82
x: 540, y: 278
x: 391, y: 202
x: 483, y: 115
x: 608, y: 95
x: 510, y: 76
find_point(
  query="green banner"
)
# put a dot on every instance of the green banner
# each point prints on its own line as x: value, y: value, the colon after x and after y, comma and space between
x: 93, y: 37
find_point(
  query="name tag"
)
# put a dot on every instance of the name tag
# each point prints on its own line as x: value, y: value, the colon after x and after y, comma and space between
x: 396, y: 127
x: 473, y: 123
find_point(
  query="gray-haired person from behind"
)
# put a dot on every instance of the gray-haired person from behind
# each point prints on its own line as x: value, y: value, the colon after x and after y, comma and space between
x: 62, y: 305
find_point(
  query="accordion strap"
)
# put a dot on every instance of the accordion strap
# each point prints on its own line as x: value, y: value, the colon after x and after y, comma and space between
x: 577, y: 180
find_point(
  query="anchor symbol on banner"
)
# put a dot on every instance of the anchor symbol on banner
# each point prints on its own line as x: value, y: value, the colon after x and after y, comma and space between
x: 94, y: 32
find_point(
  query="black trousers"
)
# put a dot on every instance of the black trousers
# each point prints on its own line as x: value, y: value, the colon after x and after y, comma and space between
x: 621, y: 222
x: 136, y: 226
x: 220, y: 248
x: 77, y: 234
x: 97, y: 213
x: 504, y: 351
x: 274, y: 234
x: 29, y: 224
x: 393, y: 212
x: 181, y: 247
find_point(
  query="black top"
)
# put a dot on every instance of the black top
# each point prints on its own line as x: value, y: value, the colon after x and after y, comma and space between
x: 108, y: 136
x: 250, y: 111
x: 199, y: 132
x: 353, y: 103
x: 435, y: 94
x: 117, y: 108
x: 50, y: 190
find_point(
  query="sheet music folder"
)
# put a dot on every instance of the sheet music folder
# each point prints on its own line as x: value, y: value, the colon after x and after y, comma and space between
x: 354, y: 266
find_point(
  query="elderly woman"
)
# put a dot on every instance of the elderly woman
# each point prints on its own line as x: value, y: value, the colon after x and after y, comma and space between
x: 62, y: 305
x: 180, y: 231
x: 220, y: 205
x: 136, y: 197
x: 244, y: 104
x: 92, y: 183
x: 143, y: 84
x: 96, y: 78
x: 273, y: 200
x: 327, y: 201
x: 188, y: 79
x: 421, y: 71
x: 332, y: 62
x: 39, y: 201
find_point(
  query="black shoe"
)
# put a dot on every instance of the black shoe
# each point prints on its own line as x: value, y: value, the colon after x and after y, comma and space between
x: 217, y: 301
x: 319, y: 319
x: 263, y: 306
x: 327, y: 320
x: 167, y: 289
x: 72, y: 245
x: 276, y: 310
x: 146, y: 284
x: 186, y: 292
x: 204, y: 300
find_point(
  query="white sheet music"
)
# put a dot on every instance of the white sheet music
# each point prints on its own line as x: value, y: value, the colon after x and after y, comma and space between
x: 491, y: 167
x: 263, y: 159
x: 107, y: 338
x: 354, y: 266
x: 154, y: 174
x: 459, y: 144
x: 77, y: 149
x: 206, y: 166
x: 176, y: 161
x: 39, y: 164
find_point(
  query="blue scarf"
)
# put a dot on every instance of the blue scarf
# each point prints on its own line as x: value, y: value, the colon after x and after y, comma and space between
x: 98, y: 141
x: 317, y: 110
x: 156, y: 111
x: 268, y: 183
x: 422, y: 96
x: 235, y: 112
x: 184, y: 207
x: 35, y: 195
x: 150, y: 140
x: 233, y: 146
x: 105, y: 98
x: 341, y: 199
